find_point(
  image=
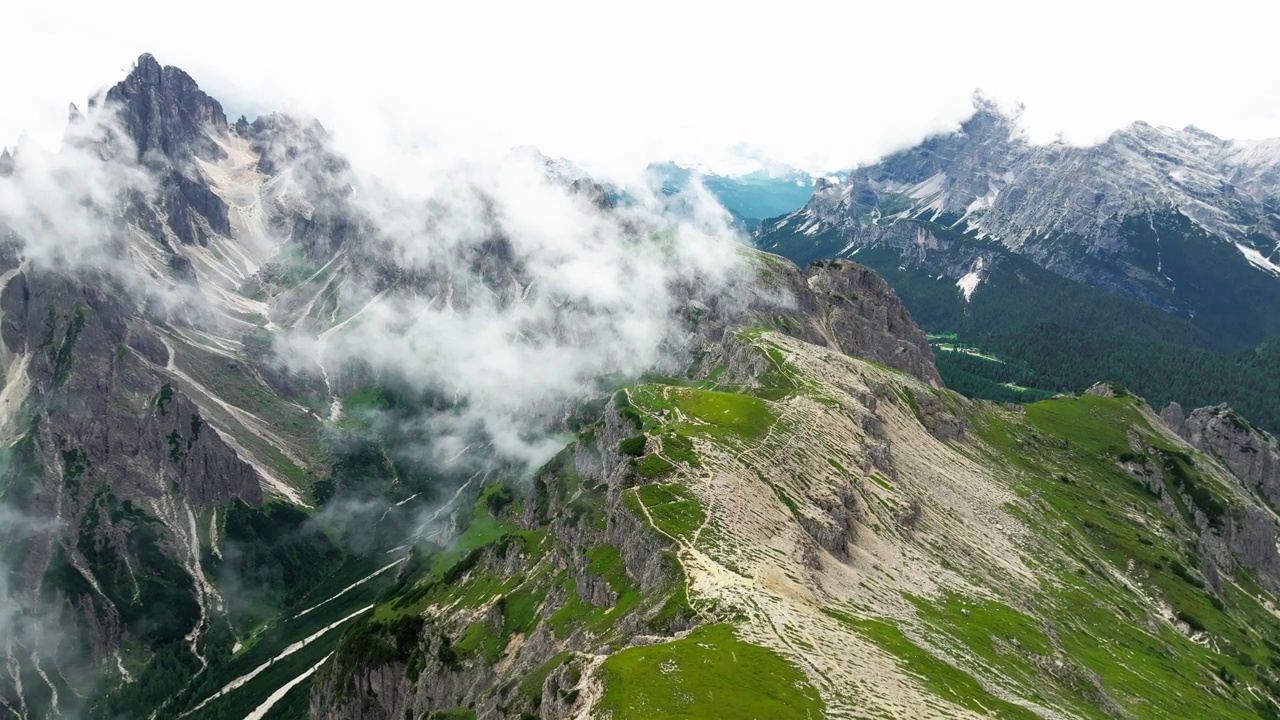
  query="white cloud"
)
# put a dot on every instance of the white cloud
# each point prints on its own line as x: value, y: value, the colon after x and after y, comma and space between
x: 817, y: 84
x: 64, y: 204
x: 584, y: 294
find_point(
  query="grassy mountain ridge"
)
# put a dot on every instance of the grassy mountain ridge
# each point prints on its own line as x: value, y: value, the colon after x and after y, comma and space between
x: 908, y: 552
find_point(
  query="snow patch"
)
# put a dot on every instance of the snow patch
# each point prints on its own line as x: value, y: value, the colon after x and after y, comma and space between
x: 928, y: 188
x: 983, y: 203
x: 352, y: 586
x: 1258, y: 260
x: 275, y: 697
x: 240, y: 681
x: 968, y: 283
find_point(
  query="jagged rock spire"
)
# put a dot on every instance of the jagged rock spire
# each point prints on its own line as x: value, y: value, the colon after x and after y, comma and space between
x: 165, y: 111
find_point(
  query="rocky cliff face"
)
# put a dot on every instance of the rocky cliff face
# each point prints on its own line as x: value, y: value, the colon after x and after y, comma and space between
x: 166, y: 114
x: 865, y: 319
x: 1251, y: 454
x: 109, y: 404
x: 1246, y: 537
x: 838, y: 304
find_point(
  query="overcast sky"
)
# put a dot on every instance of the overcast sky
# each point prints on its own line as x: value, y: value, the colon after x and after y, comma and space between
x: 820, y: 85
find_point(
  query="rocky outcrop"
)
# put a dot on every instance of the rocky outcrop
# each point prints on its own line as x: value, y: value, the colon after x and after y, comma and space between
x: 1252, y: 455
x: 578, y: 502
x: 836, y: 304
x: 594, y: 192
x: 194, y: 211
x: 1106, y: 390
x: 864, y: 318
x: 1244, y: 536
x: 1174, y: 417
x: 837, y: 530
x: 1250, y: 537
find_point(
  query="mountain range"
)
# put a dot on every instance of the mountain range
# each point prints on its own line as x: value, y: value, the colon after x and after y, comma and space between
x: 1156, y: 237
x: 1176, y: 219
x: 283, y: 439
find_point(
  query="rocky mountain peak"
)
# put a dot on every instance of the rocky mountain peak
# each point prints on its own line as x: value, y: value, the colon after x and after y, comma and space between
x: 593, y: 192
x: 989, y: 121
x: 166, y: 112
x: 1195, y: 132
x: 823, y: 183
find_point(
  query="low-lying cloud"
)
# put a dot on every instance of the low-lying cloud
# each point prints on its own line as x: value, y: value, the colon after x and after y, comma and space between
x: 537, y: 292
x: 66, y: 206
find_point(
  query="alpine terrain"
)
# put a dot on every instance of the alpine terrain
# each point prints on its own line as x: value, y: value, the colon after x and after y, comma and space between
x: 283, y: 438
x: 1152, y: 257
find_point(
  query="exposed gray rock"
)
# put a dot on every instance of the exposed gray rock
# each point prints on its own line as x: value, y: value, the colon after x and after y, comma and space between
x: 838, y: 304
x: 166, y: 113
x: 1251, y: 538
x: 593, y: 191
x: 838, y: 528
x: 1174, y: 417
x: 1103, y: 214
x: 194, y: 211
x: 1105, y: 389
x: 137, y: 429
x: 866, y: 319
x: 561, y: 692
x: 1252, y: 455
x: 1246, y: 536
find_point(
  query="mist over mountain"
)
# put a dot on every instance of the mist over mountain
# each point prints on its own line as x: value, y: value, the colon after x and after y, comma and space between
x: 291, y: 432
